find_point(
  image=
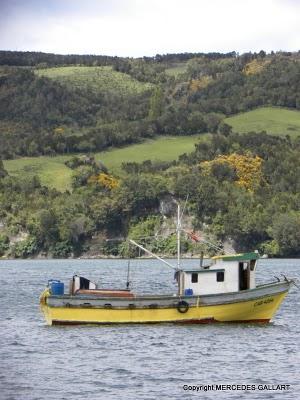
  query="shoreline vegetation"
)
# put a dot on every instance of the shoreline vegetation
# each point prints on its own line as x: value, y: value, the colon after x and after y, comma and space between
x: 105, y: 257
x: 95, y: 150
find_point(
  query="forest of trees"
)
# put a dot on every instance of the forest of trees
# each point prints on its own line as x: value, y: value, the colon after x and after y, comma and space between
x: 29, y: 58
x: 243, y: 188
x: 35, y: 111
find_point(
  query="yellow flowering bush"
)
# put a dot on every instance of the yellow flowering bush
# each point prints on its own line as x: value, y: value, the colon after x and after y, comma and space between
x: 248, y: 168
x: 255, y: 66
x: 198, y: 84
x: 104, y: 180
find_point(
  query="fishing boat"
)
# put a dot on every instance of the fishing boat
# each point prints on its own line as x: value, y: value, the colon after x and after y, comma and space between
x: 223, y: 291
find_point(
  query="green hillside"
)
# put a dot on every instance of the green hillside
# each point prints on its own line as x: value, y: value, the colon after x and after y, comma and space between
x: 53, y: 172
x: 273, y: 120
x: 95, y: 79
x: 88, y: 104
x: 161, y: 149
x: 127, y: 110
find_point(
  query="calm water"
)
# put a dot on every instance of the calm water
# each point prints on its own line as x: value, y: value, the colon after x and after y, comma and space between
x: 140, y: 361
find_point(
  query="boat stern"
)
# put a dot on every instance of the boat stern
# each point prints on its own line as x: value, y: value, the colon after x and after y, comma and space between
x: 44, y: 306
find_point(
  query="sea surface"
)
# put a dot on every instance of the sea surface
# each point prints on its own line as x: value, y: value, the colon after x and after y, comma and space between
x: 140, y: 362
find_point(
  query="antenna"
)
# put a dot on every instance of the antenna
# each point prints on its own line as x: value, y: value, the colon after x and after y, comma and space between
x: 128, y: 274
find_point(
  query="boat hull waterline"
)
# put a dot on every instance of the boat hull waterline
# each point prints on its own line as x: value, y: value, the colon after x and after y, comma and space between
x: 255, y: 305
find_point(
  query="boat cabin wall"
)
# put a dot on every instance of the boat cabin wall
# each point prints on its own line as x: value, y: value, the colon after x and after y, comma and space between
x: 221, y: 277
x: 245, y: 272
x: 211, y: 281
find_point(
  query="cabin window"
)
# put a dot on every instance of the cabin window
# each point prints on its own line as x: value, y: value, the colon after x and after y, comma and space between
x: 252, y: 265
x: 220, y: 276
x: 194, y: 278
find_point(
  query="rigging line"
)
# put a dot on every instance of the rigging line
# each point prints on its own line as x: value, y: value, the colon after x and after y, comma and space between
x: 115, y: 239
x: 188, y: 212
x: 151, y: 237
x: 212, y: 245
x: 183, y: 210
x: 140, y: 237
x: 199, y: 239
x: 152, y: 254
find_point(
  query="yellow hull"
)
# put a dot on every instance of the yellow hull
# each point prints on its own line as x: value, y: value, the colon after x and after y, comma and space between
x: 257, y: 310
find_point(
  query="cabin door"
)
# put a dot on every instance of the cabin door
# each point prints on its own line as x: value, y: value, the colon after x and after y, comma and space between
x: 244, y: 276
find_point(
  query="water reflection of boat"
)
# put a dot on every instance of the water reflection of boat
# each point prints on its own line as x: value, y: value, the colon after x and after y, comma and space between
x: 224, y: 291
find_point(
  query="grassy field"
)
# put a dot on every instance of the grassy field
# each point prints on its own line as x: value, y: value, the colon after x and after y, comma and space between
x: 176, y: 69
x: 53, y: 172
x: 163, y: 149
x: 273, y: 120
x: 95, y: 79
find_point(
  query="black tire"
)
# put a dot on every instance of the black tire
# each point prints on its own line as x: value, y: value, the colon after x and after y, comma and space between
x: 182, y: 306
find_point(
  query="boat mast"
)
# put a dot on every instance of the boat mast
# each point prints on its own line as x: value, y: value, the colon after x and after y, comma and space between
x: 178, y: 236
x: 179, y: 272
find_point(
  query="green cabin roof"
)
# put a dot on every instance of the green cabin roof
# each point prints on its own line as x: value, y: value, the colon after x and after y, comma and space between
x: 238, y: 257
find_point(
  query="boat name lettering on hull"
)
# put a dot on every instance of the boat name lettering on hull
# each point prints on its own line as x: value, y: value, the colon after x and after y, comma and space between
x: 261, y: 302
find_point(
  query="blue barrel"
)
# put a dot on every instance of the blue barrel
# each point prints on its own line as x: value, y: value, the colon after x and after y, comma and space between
x: 57, y: 288
x: 188, y: 292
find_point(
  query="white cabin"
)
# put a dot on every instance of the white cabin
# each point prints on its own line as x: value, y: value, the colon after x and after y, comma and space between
x: 227, y: 273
